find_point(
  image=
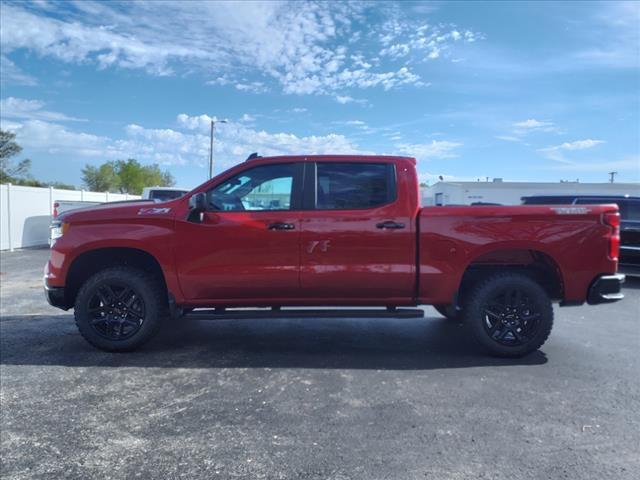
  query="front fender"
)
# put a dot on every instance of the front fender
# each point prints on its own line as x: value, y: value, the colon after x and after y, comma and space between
x: 153, y: 239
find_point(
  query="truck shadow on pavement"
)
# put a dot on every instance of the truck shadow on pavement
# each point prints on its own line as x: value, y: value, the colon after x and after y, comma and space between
x: 330, y: 343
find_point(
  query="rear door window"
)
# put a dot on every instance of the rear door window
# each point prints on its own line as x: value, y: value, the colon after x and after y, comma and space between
x: 356, y: 185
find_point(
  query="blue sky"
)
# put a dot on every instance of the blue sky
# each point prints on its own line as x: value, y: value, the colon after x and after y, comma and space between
x: 524, y: 91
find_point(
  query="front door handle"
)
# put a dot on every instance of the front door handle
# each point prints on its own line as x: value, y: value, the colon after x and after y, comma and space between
x: 389, y: 225
x: 281, y: 226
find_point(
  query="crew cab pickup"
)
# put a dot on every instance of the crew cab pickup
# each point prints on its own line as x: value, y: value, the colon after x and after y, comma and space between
x: 327, y: 231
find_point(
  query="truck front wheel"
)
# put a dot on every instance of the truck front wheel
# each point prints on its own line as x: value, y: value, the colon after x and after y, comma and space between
x: 119, y: 309
x: 509, y: 314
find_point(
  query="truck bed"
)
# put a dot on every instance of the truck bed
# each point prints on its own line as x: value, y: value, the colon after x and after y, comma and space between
x: 568, y: 239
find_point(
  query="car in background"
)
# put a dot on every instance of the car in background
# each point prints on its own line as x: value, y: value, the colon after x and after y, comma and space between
x: 629, y: 225
x: 62, y: 206
x: 162, y: 194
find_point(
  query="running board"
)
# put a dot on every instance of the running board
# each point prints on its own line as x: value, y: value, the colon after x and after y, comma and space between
x: 214, y: 314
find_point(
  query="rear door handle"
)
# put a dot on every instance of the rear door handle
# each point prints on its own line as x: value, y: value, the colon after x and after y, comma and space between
x: 281, y: 226
x: 389, y: 225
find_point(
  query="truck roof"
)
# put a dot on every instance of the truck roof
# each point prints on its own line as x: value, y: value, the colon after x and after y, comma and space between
x: 330, y: 158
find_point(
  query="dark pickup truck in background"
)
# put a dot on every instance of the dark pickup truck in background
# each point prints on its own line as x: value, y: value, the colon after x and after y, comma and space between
x: 629, y: 206
x: 330, y: 230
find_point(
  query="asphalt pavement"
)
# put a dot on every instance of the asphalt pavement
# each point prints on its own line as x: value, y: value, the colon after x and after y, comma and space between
x: 314, y: 398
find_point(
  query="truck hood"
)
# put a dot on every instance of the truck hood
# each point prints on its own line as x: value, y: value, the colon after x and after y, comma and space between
x: 119, y: 210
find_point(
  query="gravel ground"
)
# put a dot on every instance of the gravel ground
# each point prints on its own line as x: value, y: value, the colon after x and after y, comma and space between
x: 315, y: 398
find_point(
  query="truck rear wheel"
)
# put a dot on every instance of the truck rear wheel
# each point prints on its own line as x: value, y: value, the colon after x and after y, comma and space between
x: 509, y: 314
x: 119, y: 309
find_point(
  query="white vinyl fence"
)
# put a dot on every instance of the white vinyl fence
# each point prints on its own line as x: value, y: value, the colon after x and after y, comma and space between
x: 25, y: 212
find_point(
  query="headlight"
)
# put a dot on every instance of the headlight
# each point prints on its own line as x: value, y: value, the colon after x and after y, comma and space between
x: 57, y: 230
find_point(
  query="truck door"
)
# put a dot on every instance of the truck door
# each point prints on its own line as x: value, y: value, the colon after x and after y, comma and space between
x: 358, y: 234
x: 247, y: 245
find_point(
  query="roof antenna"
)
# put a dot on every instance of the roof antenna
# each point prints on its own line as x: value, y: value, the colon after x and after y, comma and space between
x: 252, y: 156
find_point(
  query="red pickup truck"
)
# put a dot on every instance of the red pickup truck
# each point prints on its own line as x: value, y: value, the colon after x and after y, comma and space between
x: 330, y: 231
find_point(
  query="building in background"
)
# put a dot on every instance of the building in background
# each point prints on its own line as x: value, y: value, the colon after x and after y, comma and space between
x: 510, y: 193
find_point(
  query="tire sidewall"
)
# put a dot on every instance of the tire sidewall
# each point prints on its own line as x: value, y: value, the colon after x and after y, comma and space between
x: 474, y: 315
x: 142, y: 284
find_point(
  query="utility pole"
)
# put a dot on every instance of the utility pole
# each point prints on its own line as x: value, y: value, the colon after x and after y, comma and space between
x: 612, y: 176
x: 213, y: 126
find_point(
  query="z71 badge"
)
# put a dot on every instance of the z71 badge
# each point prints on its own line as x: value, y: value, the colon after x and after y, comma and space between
x: 153, y: 211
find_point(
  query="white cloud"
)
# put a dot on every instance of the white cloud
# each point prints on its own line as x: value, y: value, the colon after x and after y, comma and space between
x: 532, y: 124
x: 405, y: 38
x: 19, y: 108
x: 54, y: 138
x: 235, y: 141
x: 344, y: 99
x: 578, y: 144
x: 253, y: 87
x: 302, y: 46
x: 523, y: 128
x: 11, y: 74
x: 222, y: 80
x: 188, y: 144
x: 556, y: 152
x: 71, y: 41
x: 440, y: 149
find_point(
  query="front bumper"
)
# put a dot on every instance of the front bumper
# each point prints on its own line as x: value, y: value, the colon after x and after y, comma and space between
x: 606, y: 289
x: 55, y: 296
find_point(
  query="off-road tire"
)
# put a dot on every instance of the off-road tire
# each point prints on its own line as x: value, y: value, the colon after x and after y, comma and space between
x: 538, y: 308
x: 149, y: 293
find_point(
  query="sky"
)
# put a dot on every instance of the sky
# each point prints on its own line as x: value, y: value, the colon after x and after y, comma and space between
x: 523, y: 91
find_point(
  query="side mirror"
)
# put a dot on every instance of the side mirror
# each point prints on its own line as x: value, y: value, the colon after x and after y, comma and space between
x: 197, y: 206
x: 198, y: 203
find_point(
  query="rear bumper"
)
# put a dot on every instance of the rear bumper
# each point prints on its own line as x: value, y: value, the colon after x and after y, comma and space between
x: 606, y: 289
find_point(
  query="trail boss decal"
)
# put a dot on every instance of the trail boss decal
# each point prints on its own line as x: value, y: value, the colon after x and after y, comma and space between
x: 571, y: 210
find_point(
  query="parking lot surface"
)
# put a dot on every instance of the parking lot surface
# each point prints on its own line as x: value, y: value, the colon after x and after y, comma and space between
x: 315, y: 398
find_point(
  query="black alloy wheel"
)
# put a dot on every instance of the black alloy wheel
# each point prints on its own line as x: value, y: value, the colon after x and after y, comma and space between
x: 116, y: 311
x: 511, y: 318
x: 509, y: 314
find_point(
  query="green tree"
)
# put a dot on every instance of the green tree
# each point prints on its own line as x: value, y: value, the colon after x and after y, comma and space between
x: 101, y: 179
x: 126, y: 176
x: 131, y: 176
x: 9, y: 148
